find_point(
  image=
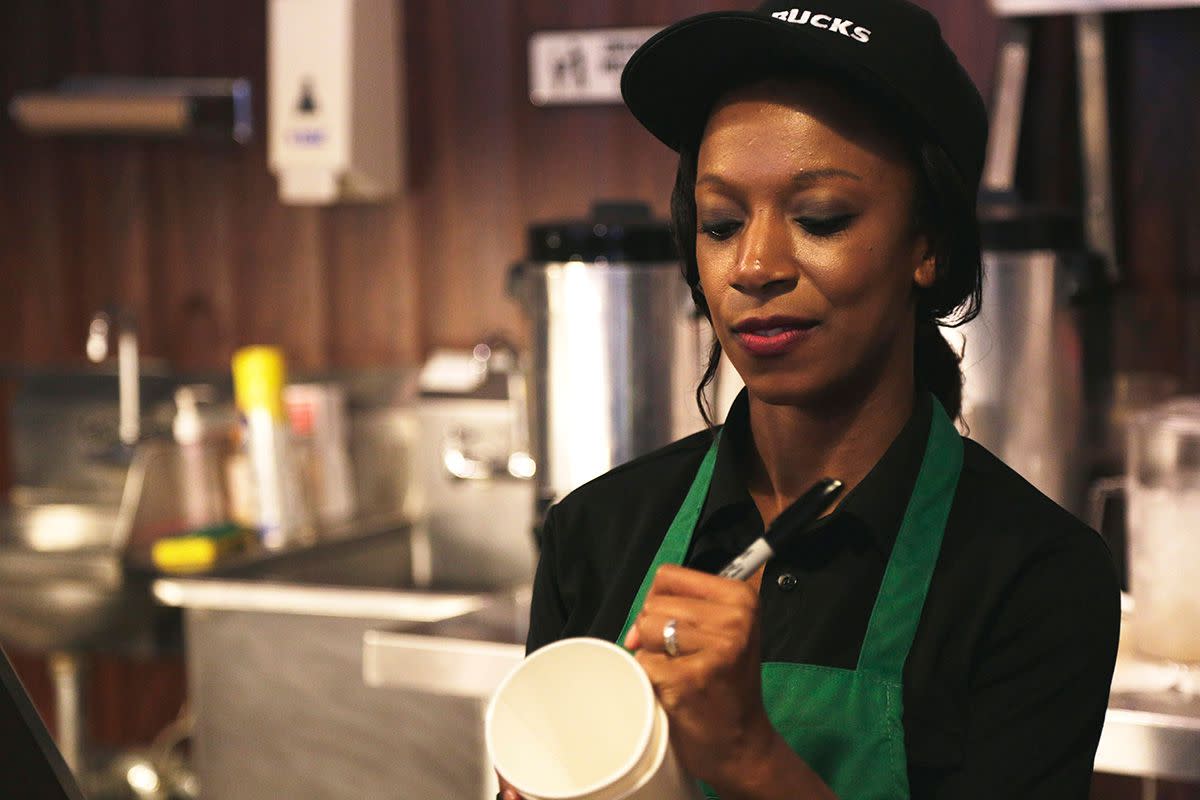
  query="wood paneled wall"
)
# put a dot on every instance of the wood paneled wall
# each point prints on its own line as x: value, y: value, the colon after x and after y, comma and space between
x: 1156, y: 64
x: 193, y: 238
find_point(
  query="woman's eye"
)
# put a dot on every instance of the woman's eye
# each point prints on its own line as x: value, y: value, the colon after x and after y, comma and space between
x: 826, y: 226
x: 720, y: 230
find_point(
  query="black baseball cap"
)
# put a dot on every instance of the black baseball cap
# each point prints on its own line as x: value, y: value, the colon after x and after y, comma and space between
x: 892, y: 49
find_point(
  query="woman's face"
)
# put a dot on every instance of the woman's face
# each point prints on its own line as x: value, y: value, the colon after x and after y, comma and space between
x: 806, y: 246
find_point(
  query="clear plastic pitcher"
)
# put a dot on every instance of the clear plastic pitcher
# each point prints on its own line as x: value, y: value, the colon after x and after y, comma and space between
x: 1163, y: 491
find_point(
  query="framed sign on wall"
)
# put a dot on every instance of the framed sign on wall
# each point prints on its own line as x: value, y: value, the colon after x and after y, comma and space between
x: 581, y: 67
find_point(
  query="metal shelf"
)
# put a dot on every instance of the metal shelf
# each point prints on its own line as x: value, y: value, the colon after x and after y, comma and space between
x: 1152, y: 729
x: 1144, y: 736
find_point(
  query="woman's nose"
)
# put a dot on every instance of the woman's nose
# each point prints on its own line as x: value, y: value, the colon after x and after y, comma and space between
x: 765, y: 261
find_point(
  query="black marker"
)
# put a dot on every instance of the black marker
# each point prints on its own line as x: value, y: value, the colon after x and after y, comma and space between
x: 795, y: 518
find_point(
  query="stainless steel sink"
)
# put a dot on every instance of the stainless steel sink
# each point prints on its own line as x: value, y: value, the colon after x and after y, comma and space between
x: 276, y: 663
x: 58, y: 530
x: 365, y: 571
x: 63, y: 583
x: 67, y: 581
x: 75, y: 569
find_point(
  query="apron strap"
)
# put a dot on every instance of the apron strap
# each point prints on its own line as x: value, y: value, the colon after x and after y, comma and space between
x: 679, y: 535
x: 897, y: 612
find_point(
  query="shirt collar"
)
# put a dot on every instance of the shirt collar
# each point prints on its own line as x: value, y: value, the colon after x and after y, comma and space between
x: 877, y: 504
x: 728, y: 487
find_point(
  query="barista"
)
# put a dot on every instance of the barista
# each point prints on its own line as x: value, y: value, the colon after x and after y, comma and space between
x: 947, y: 631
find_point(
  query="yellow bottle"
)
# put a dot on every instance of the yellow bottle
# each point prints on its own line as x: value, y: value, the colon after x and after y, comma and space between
x: 259, y: 375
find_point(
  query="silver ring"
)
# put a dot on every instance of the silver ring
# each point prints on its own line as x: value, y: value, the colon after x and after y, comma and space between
x: 670, y: 642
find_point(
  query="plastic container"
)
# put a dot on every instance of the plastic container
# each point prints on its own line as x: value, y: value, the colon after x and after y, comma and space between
x: 317, y: 412
x: 201, y: 489
x: 259, y: 375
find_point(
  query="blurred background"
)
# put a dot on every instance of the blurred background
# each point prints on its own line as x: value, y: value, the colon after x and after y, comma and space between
x: 190, y: 238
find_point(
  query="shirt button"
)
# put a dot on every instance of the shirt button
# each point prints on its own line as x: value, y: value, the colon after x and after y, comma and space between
x: 787, y: 582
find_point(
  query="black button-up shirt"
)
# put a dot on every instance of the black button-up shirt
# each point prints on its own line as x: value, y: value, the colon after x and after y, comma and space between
x: 1007, y: 681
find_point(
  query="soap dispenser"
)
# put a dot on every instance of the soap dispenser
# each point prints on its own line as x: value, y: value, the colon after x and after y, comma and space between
x: 334, y: 105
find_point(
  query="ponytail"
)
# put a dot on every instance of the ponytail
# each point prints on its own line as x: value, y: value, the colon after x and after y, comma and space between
x: 937, y: 366
x: 945, y: 212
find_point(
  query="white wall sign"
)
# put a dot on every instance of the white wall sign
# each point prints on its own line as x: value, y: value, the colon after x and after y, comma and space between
x: 1028, y: 8
x: 574, y: 67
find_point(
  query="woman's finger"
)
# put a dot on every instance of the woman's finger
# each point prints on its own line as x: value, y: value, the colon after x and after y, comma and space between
x: 689, y: 638
x: 671, y: 579
x: 685, y: 611
x: 694, y: 600
x: 653, y: 631
x: 674, y: 679
x: 705, y: 614
x: 507, y: 792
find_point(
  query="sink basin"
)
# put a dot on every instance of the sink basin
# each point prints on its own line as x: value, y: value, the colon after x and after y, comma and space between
x: 58, y: 529
x: 63, y: 585
x: 67, y: 581
x: 365, y: 571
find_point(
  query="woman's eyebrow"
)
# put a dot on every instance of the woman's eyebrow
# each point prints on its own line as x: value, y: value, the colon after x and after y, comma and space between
x: 814, y: 175
x: 805, y: 177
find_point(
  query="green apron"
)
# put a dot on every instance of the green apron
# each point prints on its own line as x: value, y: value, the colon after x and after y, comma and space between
x: 847, y: 724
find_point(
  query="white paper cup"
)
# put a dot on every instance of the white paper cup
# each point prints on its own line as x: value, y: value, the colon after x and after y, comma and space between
x: 578, y: 720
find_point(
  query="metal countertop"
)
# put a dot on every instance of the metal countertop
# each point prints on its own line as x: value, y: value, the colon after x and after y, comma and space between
x: 1152, y: 728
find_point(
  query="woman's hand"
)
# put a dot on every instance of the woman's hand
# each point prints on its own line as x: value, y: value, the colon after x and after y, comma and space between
x: 711, y: 690
x: 507, y: 792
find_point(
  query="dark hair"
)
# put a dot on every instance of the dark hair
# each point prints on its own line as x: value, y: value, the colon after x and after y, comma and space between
x: 944, y: 210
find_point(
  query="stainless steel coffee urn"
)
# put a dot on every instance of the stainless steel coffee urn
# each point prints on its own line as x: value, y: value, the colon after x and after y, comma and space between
x: 617, y: 346
x: 1025, y: 357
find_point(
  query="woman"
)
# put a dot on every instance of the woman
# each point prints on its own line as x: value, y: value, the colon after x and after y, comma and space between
x: 946, y: 631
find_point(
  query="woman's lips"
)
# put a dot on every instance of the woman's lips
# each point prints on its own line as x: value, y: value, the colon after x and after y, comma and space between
x: 773, y: 339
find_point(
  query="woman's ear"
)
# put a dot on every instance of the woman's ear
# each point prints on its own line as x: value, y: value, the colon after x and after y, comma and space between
x: 926, y: 271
